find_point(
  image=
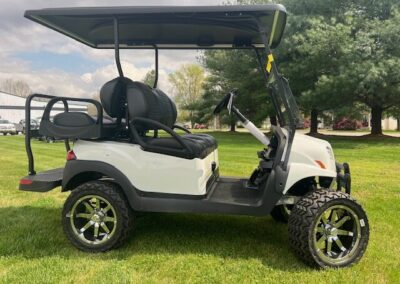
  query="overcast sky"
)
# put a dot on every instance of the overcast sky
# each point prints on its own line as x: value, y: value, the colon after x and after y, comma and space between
x: 52, y: 63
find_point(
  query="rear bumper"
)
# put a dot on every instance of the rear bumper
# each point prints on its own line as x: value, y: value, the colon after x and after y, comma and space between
x: 43, y: 181
x: 343, y: 179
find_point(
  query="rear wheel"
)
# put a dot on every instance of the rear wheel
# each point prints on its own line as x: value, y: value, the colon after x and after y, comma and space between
x: 328, y: 229
x: 96, y: 217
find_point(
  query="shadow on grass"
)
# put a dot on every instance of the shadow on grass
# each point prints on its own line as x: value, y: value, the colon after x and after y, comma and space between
x: 34, y: 232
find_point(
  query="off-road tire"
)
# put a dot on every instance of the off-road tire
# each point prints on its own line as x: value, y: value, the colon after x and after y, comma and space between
x: 280, y: 214
x: 124, y: 214
x: 303, y: 219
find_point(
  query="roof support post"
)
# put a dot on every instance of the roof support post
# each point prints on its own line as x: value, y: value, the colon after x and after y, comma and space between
x: 116, y: 47
x: 276, y: 75
x: 283, y: 91
x: 273, y: 99
x: 156, y: 67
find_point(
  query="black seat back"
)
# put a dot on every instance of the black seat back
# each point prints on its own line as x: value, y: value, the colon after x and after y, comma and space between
x: 154, y: 104
x: 113, y: 97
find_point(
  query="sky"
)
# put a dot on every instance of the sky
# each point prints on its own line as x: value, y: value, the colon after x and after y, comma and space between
x: 55, y: 64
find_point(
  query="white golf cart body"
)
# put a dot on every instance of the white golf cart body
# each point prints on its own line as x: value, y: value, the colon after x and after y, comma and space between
x: 121, y: 164
x: 161, y: 178
x: 153, y: 172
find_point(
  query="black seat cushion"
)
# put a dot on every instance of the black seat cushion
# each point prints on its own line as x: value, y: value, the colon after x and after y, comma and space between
x: 73, y: 119
x: 80, y: 125
x: 200, y: 145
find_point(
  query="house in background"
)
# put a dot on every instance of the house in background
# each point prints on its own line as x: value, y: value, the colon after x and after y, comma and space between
x: 389, y: 123
x: 12, y: 108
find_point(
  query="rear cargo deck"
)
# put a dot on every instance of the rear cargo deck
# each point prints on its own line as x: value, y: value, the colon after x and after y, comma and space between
x: 43, y: 181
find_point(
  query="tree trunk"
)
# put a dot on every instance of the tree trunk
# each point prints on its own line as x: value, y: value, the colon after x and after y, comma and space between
x: 191, y: 119
x: 376, y: 120
x: 314, y: 122
x: 273, y: 120
x: 398, y: 124
x: 217, y: 122
x: 233, y: 127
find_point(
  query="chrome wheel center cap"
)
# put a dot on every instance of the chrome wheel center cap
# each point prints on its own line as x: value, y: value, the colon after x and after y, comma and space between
x: 333, y: 232
x: 96, y: 218
x: 330, y: 231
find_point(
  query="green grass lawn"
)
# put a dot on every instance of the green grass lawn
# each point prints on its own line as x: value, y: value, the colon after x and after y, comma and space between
x: 173, y: 248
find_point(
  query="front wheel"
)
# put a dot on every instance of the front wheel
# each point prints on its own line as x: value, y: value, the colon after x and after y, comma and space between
x: 328, y: 229
x: 96, y: 217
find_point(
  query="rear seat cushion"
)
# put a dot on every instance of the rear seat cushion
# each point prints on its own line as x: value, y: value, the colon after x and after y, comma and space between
x: 73, y: 119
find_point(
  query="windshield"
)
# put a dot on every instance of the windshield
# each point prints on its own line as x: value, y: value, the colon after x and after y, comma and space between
x: 3, y: 121
x: 286, y: 106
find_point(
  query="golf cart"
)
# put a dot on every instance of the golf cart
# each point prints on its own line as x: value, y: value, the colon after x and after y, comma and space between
x: 120, y: 165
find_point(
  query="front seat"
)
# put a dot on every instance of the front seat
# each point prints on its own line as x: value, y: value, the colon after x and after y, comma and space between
x: 152, y: 109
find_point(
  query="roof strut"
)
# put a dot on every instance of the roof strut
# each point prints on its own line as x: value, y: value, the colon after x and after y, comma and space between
x: 265, y: 75
x: 156, y: 67
x: 116, y: 47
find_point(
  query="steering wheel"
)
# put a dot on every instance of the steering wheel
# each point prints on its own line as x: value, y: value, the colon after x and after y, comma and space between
x: 225, y: 102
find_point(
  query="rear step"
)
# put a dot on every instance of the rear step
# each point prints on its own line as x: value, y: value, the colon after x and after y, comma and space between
x: 43, y: 181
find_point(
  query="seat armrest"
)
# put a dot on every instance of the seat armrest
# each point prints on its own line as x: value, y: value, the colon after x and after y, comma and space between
x: 181, y: 128
x: 157, y: 125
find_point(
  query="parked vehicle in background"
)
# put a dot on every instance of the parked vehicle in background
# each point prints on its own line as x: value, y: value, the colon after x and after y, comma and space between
x: 187, y: 126
x: 7, y: 127
x: 303, y: 124
x: 200, y: 126
x: 346, y: 124
x: 20, y: 127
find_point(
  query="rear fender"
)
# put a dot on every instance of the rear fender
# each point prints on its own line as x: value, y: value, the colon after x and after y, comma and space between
x: 77, y: 172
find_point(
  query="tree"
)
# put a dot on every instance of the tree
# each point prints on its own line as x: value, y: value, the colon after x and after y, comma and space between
x: 364, y: 63
x: 314, y: 56
x: 187, y: 85
x: 16, y: 87
x: 338, y: 53
x: 149, y: 78
x: 369, y: 72
x: 239, y: 70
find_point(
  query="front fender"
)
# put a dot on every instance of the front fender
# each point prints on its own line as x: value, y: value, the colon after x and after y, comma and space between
x: 299, y: 171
